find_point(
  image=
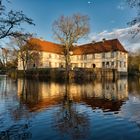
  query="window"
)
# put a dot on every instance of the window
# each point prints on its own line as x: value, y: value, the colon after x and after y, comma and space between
x: 112, y: 54
x: 55, y: 64
x: 61, y: 65
x: 103, y: 64
x: 85, y: 65
x: 103, y: 55
x: 107, y: 63
x: 49, y: 55
x: 56, y: 56
x: 75, y: 57
x: 120, y: 64
x: 93, y: 56
x: 74, y: 65
x: 81, y: 57
x: 120, y: 87
x: 85, y: 56
x: 34, y: 65
x: 124, y: 64
x: 49, y: 64
x: 78, y: 57
x: 112, y: 63
x: 82, y: 65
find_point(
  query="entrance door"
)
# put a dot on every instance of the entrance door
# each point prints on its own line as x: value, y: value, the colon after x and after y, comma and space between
x: 93, y: 65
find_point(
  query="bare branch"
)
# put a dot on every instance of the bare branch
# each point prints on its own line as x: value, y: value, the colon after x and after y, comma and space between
x: 136, y: 20
x: 70, y: 29
x: 10, y: 23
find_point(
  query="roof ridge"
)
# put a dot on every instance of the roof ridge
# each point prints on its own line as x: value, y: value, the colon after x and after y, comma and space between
x: 99, y: 42
x: 37, y: 39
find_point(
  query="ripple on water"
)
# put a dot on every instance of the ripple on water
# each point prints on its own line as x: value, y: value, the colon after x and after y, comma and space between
x: 85, y: 113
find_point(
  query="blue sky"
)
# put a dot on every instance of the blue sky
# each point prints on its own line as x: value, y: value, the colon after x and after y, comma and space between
x: 105, y: 15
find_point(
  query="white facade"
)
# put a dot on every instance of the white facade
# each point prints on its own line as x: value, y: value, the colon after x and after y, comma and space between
x: 114, y: 60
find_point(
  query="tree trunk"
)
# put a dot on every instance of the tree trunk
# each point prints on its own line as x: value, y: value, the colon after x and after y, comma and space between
x: 24, y: 67
x: 67, y: 61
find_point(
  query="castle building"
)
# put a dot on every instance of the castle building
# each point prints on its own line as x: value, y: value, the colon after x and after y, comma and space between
x: 106, y: 54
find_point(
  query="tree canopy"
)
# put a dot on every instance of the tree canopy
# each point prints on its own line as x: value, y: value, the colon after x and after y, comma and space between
x: 69, y: 29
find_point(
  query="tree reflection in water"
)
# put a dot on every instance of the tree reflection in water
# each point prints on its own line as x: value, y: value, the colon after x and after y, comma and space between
x: 13, y: 130
x: 69, y: 121
x: 69, y: 110
x: 134, y: 85
x: 30, y: 93
x: 16, y: 132
x: 69, y: 98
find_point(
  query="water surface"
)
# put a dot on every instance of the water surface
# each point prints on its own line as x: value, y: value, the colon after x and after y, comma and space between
x: 99, y: 110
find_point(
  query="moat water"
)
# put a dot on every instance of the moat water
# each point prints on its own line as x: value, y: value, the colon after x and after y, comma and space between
x: 98, y: 110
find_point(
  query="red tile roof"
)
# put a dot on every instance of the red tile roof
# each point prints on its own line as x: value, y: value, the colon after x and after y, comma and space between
x: 97, y: 47
x: 46, y: 46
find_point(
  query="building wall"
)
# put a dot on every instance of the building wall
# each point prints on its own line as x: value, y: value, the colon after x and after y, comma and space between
x: 46, y: 60
x: 52, y: 60
x: 114, y: 60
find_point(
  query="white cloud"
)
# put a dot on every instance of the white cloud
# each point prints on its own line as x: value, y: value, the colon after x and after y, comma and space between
x: 124, y: 35
x: 121, y: 6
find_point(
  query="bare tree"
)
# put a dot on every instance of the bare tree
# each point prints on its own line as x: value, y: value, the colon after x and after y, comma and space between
x: 27, y: 52
x: 68, y: 30
x: 7, y: 57
x: 11, y: 21
x: 134, y: 62
x: 4, y: 56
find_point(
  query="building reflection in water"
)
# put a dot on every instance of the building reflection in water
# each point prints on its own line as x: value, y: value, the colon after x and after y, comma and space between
x: 99, y: 94
x: 69, y: 110
x: 106, y: 95
x: 39, y: 95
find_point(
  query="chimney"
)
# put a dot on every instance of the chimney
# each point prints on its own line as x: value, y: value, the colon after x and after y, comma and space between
x: 93, y: 42
x: 41, y: 38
